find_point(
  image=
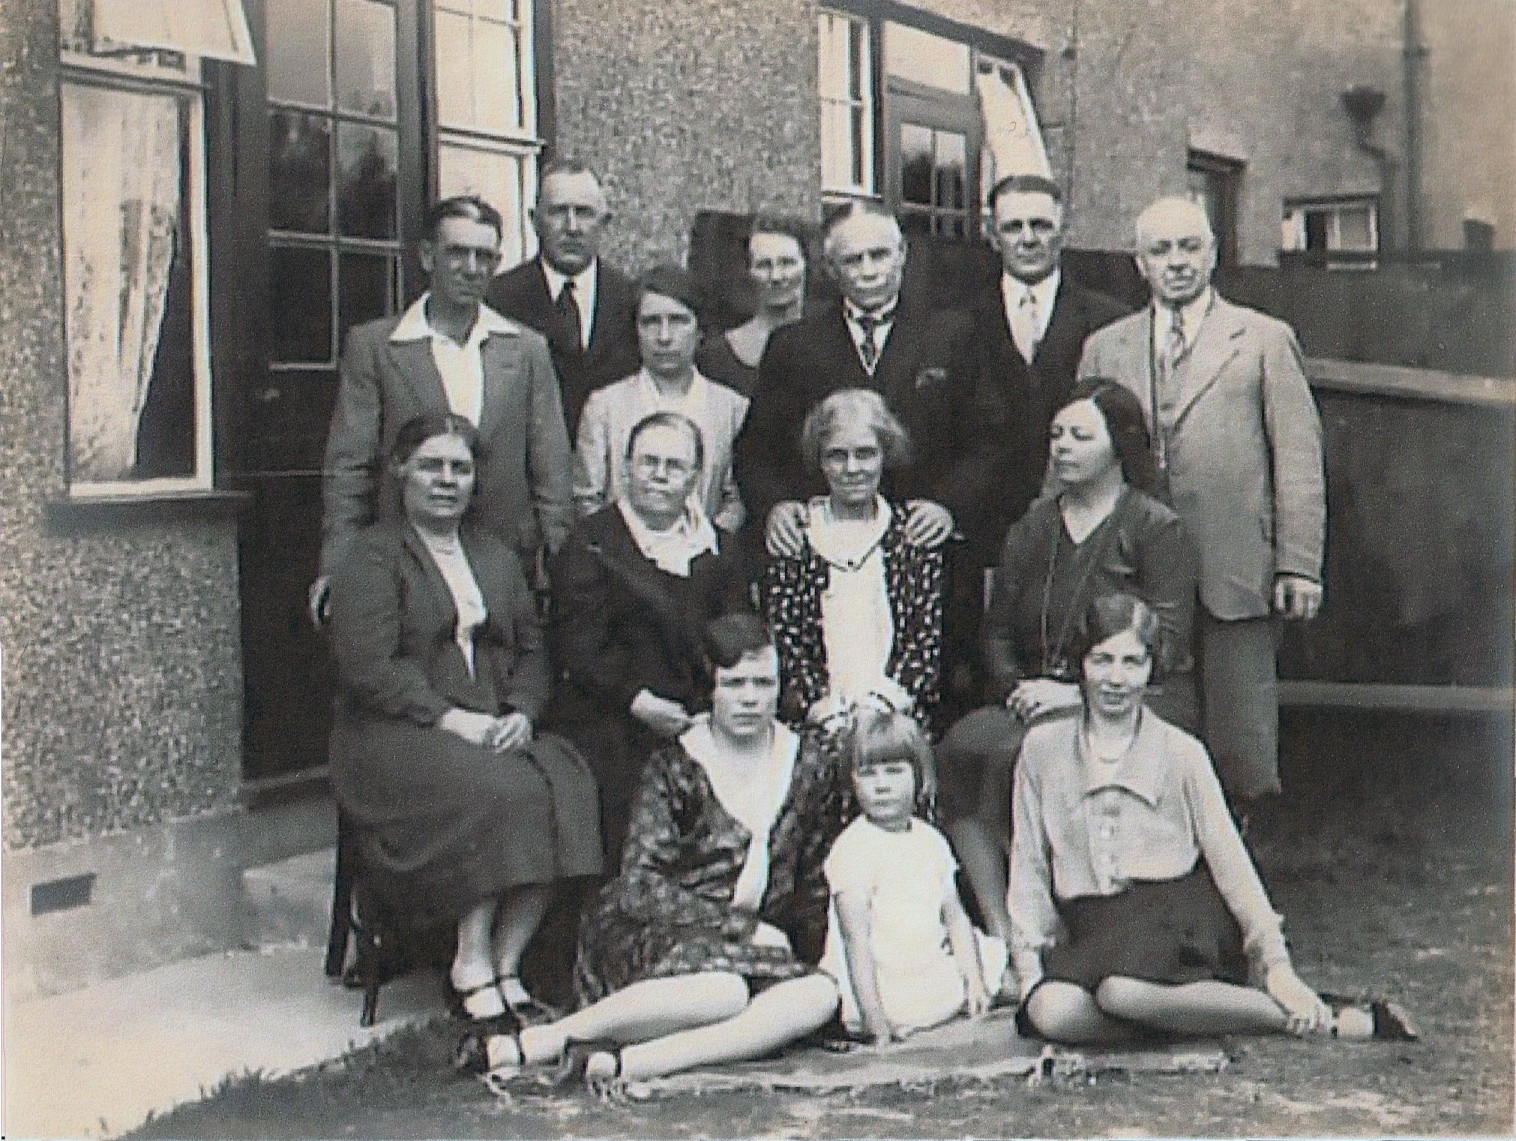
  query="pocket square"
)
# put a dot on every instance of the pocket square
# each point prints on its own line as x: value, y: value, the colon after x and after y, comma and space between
x: 925, y: 377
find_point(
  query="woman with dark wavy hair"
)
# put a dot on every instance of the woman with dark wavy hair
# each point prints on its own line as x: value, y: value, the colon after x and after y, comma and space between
x: 1102, y: 531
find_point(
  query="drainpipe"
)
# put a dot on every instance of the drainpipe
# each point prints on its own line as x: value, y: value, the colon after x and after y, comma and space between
x: 1414, y: 53
x: 1363, y: 104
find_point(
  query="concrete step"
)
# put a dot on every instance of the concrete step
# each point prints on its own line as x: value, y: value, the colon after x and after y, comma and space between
x: 288, y: 902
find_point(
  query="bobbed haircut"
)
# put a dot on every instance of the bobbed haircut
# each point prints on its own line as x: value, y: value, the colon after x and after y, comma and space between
x: 1125, y: 423
x: 668, y: 419
x: 469, y: 206
x: 671, y: 281
x: 728, y: 639
x: 419, y: 429
x: 854, y: 406
x: 878, y: 736
x: 1025, y: 184
x: 1112, y: 614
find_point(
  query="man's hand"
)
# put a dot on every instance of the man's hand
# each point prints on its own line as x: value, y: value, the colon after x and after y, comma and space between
x: 928, y: 525
x: 319, y: 601
x: 784, y: 535
x: 1040, y: 695
x: 510, y: 732
x: 1296, y: 596
x: 664, y: 717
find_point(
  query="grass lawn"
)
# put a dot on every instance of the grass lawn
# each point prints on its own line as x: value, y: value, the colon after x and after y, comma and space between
x: 1391, y: 861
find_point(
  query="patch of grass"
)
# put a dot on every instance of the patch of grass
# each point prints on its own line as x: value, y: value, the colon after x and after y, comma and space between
x: 1390, y: 858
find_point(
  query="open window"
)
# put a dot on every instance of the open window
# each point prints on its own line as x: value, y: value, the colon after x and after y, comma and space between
x: 1341, y: 233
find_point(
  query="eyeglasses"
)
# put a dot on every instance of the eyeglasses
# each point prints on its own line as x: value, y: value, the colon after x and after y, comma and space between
x: 652, y: 465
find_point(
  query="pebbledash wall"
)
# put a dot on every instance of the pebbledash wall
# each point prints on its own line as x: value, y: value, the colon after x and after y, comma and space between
x: 122, y: 683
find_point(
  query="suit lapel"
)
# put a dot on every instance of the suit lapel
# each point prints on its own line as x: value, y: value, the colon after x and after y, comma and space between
x: 1215, y: 347
x: 605, y: 301
x: 894, y: 374
x: 851, y: 373
x: 1066, y: 324
x: 500, y: 373
x: 414, y: 364
x: 1137, y: 346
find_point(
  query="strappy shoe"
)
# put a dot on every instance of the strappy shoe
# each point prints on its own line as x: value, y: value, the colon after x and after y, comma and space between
x: 1389, y: 1021
x: 574, y: 1069
x: 528, y: 1011
x: 462, y: 996
x: 478, y: 1052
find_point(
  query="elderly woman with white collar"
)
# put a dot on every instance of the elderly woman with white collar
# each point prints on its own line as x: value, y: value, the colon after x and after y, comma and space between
x: 857, y: 615
x: 633, y: 586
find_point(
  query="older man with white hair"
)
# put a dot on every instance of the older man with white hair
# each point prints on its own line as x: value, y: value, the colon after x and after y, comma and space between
x: 1238, y: 442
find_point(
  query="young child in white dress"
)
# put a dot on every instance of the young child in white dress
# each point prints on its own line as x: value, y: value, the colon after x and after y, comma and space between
x: 899, y: 943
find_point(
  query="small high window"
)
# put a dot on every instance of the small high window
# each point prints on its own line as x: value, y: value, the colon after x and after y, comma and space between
x: 1344, y: 232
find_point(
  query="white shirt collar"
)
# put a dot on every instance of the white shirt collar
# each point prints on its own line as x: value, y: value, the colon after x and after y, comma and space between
x: 675, y: 549
x: 1043, y: 292
x: 584, y: 280
x: 1194, y: 313
x: 414, y: 326
x: 854, y: 312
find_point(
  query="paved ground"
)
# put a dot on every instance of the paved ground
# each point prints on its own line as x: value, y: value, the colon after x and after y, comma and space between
x: 98, y: 1061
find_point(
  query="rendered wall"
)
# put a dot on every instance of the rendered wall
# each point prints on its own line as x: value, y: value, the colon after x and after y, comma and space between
x: 688, y: 105
x: 122, y: 677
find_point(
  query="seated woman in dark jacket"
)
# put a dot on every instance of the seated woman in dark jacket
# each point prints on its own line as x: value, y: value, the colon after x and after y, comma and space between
x: 460, y: 811
x: 1102, y: 533
x: 633, y: 586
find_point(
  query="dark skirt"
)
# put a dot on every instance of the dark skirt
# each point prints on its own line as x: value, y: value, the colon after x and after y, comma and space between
x: 1164, y: 931
x: 443, y: 825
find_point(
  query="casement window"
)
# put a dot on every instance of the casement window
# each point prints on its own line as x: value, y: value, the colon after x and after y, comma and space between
x: 136, y: 315
x: 922, y: 113
x: 1343, y: 231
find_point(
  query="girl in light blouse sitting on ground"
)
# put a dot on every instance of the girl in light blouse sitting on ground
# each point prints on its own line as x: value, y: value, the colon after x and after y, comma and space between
x: 1134, y: 906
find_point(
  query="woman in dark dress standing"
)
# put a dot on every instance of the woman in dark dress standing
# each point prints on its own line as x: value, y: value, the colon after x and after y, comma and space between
x: 1101, y: 533
x: 435, y: 760
x: 633, y: 586
x: 776, y: 265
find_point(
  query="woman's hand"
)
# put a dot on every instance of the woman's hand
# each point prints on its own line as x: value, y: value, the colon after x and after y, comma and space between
x: 666, y: 718
x: 1039, y: 696
x: 510, y: 732
x: 784, y: 530
x: 928, y: 525
x: 767, y: 935
x: 1303, y: 1007
x: 475, y: 728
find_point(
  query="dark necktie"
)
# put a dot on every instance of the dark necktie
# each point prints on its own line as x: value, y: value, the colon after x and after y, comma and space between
x: 1170, y: 359
x: 869, y: 324
x: 568, y: 312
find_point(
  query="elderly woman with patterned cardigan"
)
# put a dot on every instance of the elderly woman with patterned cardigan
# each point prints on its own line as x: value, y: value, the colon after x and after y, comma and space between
x: 858, y: 614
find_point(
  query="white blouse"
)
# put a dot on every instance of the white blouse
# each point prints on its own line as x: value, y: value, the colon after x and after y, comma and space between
x: 857, y: 629
x: 447, y: 552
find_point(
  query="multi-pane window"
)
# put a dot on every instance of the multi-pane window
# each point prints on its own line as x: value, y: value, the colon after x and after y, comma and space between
x: 486, y: 110
x: 333, y: 154
x: 134, y: 274
x: 1341, y: 226
x: 847, y: 106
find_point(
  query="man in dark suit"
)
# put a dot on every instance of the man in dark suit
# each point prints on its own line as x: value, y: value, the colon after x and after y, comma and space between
x: 449, y: 353
x: 582, y: 306
x: 920, y: 361
x: 1030, y: 332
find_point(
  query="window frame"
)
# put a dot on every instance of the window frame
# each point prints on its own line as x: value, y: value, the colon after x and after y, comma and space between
x: 1230, y: 171
x: 1333, y: 257
x: 157, y: 72
x: 982, y: 44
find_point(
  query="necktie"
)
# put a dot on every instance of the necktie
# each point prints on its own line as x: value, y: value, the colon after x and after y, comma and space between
x: 568, y: 312
x: 870, y: 324
x: 1166, y: 384
x: 1024, y: 329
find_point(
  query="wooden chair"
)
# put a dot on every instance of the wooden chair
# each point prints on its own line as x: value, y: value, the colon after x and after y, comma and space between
x: 355, y: 916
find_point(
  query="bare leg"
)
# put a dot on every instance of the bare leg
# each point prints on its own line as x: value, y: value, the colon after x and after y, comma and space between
x: 648, y: 1009
x: 781, y: 1014
x: 520, y: 914
x: 472, y: 966
x: 1063, y: 1012
x: 984, y: 863
x: 1207, y: 1007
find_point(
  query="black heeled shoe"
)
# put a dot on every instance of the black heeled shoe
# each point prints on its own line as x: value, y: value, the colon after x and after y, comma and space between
x: 529, y: 1011
x: 1389, y: 1020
